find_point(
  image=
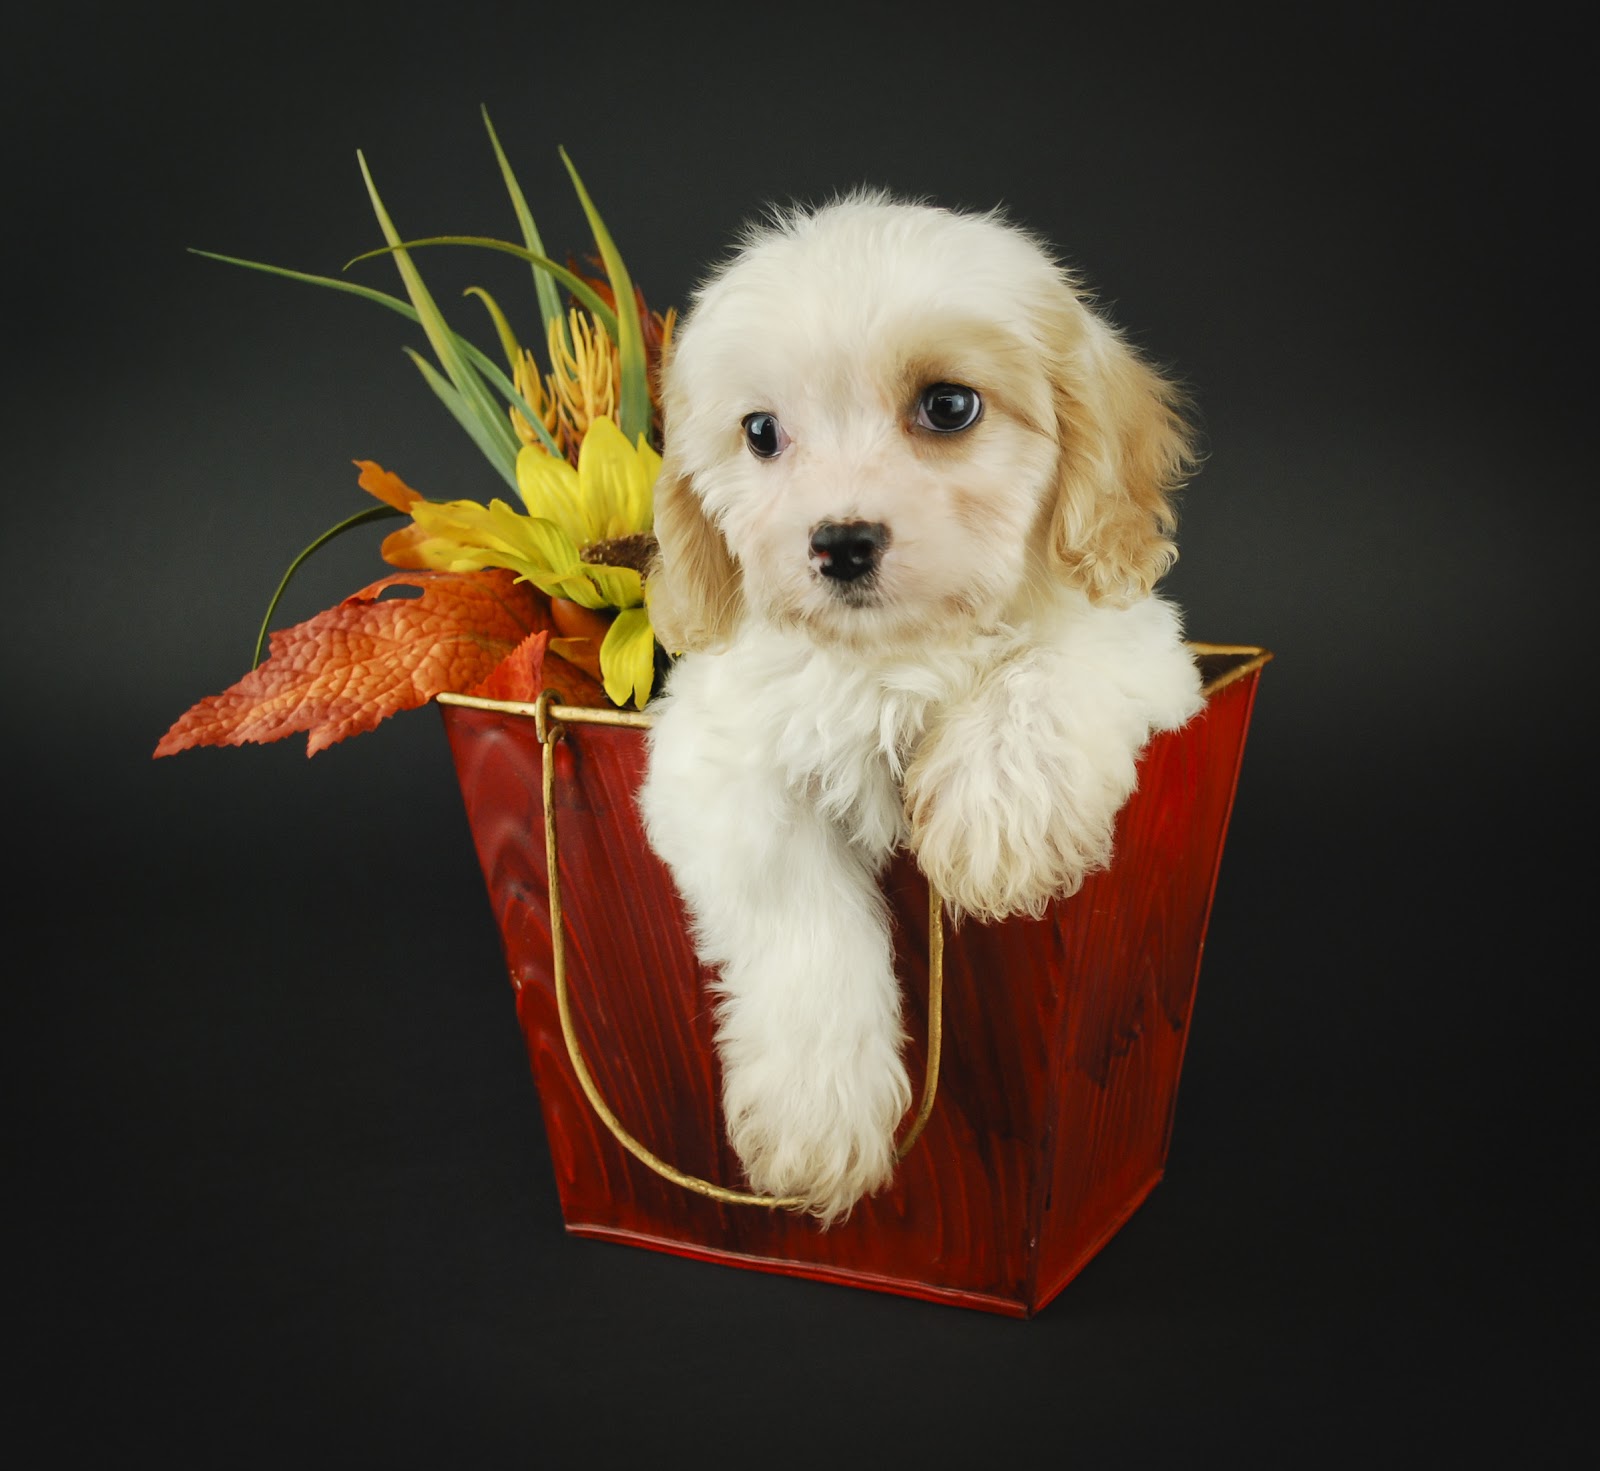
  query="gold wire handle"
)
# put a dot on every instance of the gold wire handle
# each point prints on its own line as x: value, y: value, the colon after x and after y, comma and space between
x: 547, y: 717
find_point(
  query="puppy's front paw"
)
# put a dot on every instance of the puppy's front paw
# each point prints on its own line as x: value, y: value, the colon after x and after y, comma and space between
x: 1001, y: 825
x: 817, y: 1129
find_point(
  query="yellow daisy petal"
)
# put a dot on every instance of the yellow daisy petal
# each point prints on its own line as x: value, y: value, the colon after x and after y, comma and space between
x: 628, y: 657
x: 613, y: 483
x: 549, y: 489
x: 621, y: 587
x: 603, y: 466
x: 463, y: 536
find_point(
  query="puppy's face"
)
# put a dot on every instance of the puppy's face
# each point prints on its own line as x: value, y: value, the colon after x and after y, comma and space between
x: 871, y: 417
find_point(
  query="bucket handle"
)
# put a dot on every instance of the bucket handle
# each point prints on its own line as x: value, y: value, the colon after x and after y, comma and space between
x: 548, y: 718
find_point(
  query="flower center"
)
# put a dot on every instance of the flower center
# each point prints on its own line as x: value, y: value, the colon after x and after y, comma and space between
x: 635, y: 550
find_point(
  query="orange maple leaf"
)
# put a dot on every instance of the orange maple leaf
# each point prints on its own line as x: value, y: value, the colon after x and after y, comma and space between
x: 367, y: 658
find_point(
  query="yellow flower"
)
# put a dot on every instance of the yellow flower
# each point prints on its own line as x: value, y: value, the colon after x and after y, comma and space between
x: 628, y: 657
x: 585, y: 383
x: 583, y: 388
x: 525, y: 378
x: 581, y: 531
x: 607, y: 495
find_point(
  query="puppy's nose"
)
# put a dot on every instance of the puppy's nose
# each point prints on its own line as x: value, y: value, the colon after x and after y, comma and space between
x: 847, y: 550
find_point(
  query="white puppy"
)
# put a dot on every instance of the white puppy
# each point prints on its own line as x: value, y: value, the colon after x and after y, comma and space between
x: 915, y: 497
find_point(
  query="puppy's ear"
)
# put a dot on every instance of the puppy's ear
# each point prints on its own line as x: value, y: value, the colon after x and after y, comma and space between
x: 694, y: 586
x: 1126, y: 450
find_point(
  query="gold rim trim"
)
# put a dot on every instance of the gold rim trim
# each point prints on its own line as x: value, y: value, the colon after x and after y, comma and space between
x: 537, y: 709
x: 550, y: 718
x: 1251, y: 656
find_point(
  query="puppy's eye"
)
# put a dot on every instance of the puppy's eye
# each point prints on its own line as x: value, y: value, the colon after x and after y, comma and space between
x: 948, y: 408
x: 764, y: 434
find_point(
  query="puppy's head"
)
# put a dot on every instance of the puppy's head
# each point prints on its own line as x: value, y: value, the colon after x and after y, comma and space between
x: 883, y: 419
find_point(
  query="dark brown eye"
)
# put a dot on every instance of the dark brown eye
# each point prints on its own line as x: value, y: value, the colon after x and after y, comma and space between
x: 948, y: 408
x: 764, y: 434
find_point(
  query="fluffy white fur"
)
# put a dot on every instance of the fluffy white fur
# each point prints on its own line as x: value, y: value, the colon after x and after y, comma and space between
x: 980, y: 695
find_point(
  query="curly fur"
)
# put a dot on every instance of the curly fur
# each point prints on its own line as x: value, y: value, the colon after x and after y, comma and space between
x: 981, y: 695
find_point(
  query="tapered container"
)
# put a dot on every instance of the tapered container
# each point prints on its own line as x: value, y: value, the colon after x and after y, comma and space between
x: 1062, y: 1038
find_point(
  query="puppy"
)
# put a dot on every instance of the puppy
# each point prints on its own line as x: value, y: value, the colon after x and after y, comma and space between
x: 915, y: 497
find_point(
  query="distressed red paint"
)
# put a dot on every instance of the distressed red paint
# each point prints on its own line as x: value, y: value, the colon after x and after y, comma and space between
x: 1063, y: 1037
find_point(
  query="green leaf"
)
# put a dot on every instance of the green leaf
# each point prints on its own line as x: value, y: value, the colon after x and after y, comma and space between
x: 394, y: 303
x: 486, y: 365
x: 633, y: 410
x: 543, y: 283
x: 475, y: 397
x: 508, y: 345
x: 361, y: 518
x: 508, y: 339
x: 382, y: 298
x: 580, y: 288
x: 492, y: 372
x: 504, y: 459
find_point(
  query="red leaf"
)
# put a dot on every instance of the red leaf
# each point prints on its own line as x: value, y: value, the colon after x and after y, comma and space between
x: 367, y: 658
x: 532, y: 667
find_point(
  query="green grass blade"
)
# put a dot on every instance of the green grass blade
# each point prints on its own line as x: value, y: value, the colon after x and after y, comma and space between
x: 361, y: 518
x: 487, y: 414
x: 508, y: 339
x: 498, y: 454
x: 480, y: 360
x: 543, y: 282
x: 394, y: 303
x: 516, y: 400
x: 633, y: 411
x: 587, y: 296
x: 507, y: 385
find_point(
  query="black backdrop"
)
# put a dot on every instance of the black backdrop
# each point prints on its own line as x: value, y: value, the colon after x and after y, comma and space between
x: 278, y: 1182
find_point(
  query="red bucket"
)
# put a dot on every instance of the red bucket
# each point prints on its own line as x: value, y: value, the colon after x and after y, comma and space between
x: 1062, y: 1037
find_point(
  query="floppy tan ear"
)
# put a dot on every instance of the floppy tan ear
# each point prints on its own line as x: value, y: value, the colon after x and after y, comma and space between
x: 694, y: 587
x: 1126, y: 450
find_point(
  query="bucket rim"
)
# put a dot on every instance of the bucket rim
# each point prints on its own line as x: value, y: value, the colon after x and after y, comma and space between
x: 1241, y: 660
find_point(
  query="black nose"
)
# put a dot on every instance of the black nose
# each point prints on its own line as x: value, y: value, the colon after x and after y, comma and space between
x: 847, y: 550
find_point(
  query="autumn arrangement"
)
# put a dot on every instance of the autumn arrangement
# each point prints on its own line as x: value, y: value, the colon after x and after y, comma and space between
x: 541, y: 587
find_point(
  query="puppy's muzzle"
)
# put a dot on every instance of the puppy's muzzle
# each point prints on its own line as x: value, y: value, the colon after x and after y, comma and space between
x: 848, y: 552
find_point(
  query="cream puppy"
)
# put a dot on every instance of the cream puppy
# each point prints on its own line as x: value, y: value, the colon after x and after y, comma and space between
x: 915, y: 498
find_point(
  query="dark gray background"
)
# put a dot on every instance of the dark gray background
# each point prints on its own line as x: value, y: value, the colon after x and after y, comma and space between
x: 279, y: 1181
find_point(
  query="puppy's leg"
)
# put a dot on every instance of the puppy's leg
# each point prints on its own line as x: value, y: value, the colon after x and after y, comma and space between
x: 789, y: 914
x: 1012, y: 796
x: 1006, y: 810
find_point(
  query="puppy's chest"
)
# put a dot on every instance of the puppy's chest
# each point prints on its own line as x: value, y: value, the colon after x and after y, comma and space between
x: 849, y: 760
x: 839, y: 729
